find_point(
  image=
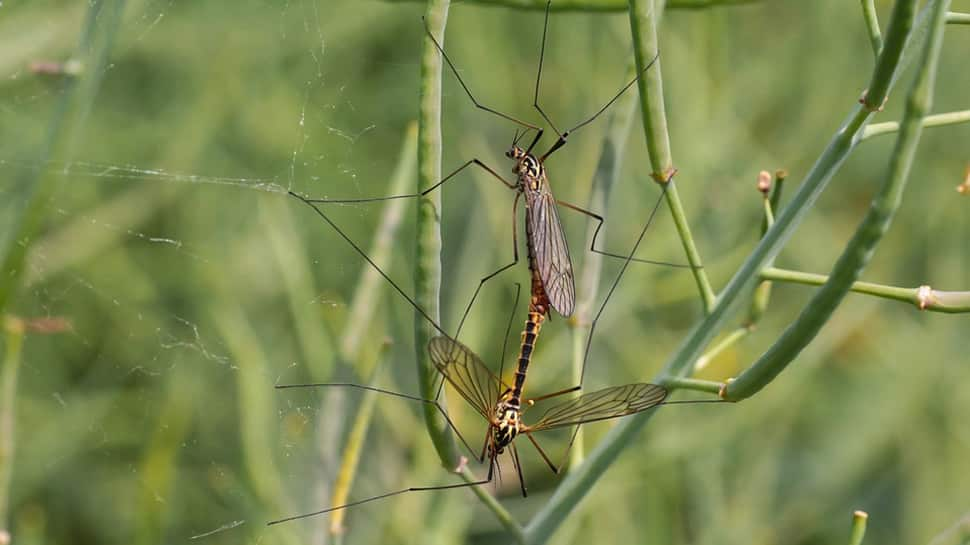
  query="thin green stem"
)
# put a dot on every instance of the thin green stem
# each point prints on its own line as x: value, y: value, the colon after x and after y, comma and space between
x: 427, y: 274
x: 872, y: 26
x: 887, y: 64
x: 643, y: 23
x: 860, y: 248
x: 31, y: 189
x: 595, y: 5
x: 923, y: 297
x: 956, y: 18
x: 504, y: 517
x: 859, y: 519
x: 14, y: 339
x: 579, y: 481
x: 677, y: 383
x: 936, y: 120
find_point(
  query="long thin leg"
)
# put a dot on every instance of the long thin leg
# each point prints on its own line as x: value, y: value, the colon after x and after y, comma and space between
x: 468, y: 92
x: 562, y: 137
x: 532, y: 401
x: 542, y: 453
x: 486, y: 480
x: 599, y: 225
x: 518, y: 469
x: 477, y: 162
x: 387, y: 392
x: 367, y: 258
x: 515, y: 260
x: 542, y: 54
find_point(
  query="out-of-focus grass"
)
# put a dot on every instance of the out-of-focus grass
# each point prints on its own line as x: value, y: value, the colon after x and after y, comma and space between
x: 133, y: 425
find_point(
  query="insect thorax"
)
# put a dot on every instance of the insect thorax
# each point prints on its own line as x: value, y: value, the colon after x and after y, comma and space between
x: 507, y: 425
x: 530, y: 172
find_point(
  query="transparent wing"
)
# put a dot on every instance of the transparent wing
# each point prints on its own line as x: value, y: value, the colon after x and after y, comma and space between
x: 551, y: 252
x: 466, y: 373
x: 602, y: 405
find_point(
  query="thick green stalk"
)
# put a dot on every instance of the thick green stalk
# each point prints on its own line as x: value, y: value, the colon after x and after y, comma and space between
x: 427, y: 274
x: 937, y: 120
x: 872, y: 26
x: 643, y: 22
x: 678, y: 383
x: 857, y: 253
x: 31, y: 190
x: 575, y: 486
x: 595, y: 5
x: 923, y: 297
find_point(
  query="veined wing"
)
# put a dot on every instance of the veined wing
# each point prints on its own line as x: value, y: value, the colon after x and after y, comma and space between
x: 550, y: 251
x: 602, y: 404
x: 467, y: 373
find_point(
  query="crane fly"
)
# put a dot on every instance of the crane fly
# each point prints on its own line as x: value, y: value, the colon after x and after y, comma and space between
x: 501, y: 405
x: 545, y: 239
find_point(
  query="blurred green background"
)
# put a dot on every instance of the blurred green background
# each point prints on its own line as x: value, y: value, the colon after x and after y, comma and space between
x: 192, y: 285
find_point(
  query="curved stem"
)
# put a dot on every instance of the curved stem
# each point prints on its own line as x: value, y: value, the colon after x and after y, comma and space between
x: 872, y: 26
x: 575, y: 486
x: 596, y: 5
x: 857, y: 253
x: 937, y: 120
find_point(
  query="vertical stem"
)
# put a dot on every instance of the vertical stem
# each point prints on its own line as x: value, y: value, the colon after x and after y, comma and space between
x: 643, y: 23
x: 14, y: 330
x: 872, y: 26
x: 427, y: 275
x: 859, y: 519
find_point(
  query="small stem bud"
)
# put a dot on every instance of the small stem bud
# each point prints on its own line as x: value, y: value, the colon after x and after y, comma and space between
x: 964, y: 188
x: 925, y: 297
x: 764, y: 182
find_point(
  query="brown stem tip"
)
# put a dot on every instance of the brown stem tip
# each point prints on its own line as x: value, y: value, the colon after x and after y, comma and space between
x: 860, y: 514
x: 665, y: 176
x: 964, y: 188
x: 764, y: 182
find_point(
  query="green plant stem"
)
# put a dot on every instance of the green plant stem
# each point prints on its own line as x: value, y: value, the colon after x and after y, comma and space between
x: 428, y: 252
x: 677, y: 383
x: 31, y: 190
x: 595, y: 5
x: 956, y: 18
x: 883, y: 76
x: 857, y: 253
x: 605, y: 177
x: 427, y: 277
x: 13, y: 344
x: 579, y: 481
x: 859, y: 519
x: 937, y: 120
x: 872, y: 26
x: 923, y: 297
x: 643, y: 23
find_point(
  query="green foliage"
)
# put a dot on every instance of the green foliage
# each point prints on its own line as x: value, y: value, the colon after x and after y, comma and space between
x: 170, y: 282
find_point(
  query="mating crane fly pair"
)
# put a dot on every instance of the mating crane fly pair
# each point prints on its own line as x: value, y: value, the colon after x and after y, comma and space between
x: 552, y: 287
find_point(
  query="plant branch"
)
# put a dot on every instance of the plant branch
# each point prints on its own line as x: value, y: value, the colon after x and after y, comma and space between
x: 678, y: 383
x: 13, y: 330
x: 936, y: 120
x: 860, y: 248
x: 575, y: 486
x: 923, y: 297
x: 594, y: 5
x: 872, y: 26
x: 956, y: 18
x: 643, y: 24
